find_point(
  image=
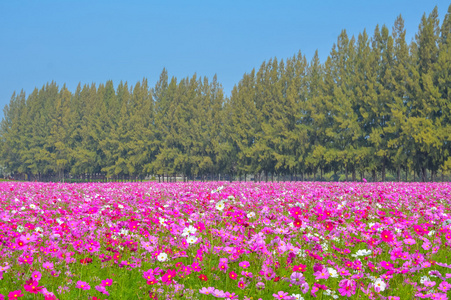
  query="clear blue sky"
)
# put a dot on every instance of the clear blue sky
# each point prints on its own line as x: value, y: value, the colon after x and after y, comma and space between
x: 94, y: 41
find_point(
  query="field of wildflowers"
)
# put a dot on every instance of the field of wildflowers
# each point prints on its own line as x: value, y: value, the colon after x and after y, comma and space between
x: 225, y: 240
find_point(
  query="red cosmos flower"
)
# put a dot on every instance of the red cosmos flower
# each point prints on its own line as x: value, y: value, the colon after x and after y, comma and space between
x: 329, y: 226
x: 297, y: 223
x: 116, y: 256
x: 300, y: 268
x: 85, y: 261
x: 387, y: 236
x: 232, y: 275
x: 203, y: 277
x: 152, y: 295
x: 277, y: 279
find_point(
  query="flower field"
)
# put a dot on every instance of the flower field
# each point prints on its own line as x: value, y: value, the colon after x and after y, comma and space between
x: 291, y: 240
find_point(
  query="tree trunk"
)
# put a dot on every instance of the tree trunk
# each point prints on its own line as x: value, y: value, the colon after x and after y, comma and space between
x: 407, y: 173
x: 374, y: 176
x: 346, y: 171
x: 353, y: 174
x: 398, y: 174
x: 383, y: 169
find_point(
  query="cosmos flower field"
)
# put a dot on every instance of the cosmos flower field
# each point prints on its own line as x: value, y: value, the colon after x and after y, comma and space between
x: 291, y: 240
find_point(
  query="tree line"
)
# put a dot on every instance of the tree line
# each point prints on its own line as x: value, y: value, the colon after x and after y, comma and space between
x: 377, y: 105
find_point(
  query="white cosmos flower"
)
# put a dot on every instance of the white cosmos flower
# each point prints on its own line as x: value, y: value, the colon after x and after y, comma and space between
x: 162, y: 257
x: 362, y: 252
x: 22, y: 208
x: 120, y: 206
x: 191, y: 239
x: 333, y: 273
x: 220, y: 205
x: 251, y: 214
x: 189, y: 230
x: 20, y: 228
x: 423, y: 279
x: 32, y: 206
x: 380, y: 284
x: 297, y: 296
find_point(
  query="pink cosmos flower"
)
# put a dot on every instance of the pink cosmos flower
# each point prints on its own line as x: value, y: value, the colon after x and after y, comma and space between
x: 244, y: 264
x: 247, y: 274
x: 207, y: 290
x: 223, y: 266
x: 347, y: 287
x: 48, y: 265
x: 321, y: 274
x: 281, y: 295
x: 232, y: 296
x: 107, y: 282
x: 101, y: 289
x: 241, y: 284
x: 82, y: 285
x: 36, y: 275
x: 27, y: 238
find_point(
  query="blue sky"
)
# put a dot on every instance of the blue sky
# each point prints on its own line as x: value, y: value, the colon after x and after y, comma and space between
x: 95, y: 41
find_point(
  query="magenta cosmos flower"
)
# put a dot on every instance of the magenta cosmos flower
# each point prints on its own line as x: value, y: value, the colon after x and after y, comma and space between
x: 387, y: 236
x: 15, y: 294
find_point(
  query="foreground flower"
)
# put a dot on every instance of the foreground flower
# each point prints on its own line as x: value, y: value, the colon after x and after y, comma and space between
x: 379, y: 285
x: 220, y: 206
x: 15, y: 294
x: 33, y: 287
x: 347, y: 287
